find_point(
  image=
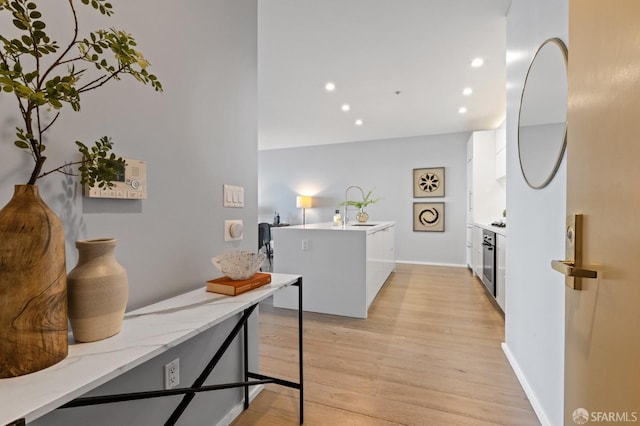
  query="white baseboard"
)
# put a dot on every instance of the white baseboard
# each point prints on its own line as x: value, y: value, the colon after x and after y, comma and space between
x: 239, y: 407
x: 411, y: 262
x: 537, y: 407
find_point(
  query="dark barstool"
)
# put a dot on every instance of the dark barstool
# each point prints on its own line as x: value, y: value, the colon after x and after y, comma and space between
x: 264, y: 239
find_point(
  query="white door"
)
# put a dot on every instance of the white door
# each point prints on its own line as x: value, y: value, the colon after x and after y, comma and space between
x: 602, y: 353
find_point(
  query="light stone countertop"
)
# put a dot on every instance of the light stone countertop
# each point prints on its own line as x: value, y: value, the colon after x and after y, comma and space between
x: 352, y: 226
x: 146, y: 333
x: 498, y: 230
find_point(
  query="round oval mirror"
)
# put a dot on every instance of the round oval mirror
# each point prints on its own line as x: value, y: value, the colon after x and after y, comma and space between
x: 542, y: 122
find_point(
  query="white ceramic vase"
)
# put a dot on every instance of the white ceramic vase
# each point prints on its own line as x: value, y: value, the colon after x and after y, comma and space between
x: 97, y: 291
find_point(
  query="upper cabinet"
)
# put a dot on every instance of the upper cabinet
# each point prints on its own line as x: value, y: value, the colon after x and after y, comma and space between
x: 485, y: 194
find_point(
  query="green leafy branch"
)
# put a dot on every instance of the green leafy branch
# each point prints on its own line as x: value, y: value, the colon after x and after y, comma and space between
x: 366, y: 201
x: 43, y: 77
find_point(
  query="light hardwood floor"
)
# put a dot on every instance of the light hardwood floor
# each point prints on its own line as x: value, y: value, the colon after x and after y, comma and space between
x: 429, y: 354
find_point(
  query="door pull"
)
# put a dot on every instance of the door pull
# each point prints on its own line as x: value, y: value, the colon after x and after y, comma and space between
x: 572, y: 268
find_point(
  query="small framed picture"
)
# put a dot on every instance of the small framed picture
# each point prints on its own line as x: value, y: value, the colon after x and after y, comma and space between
x: 428, y: 217
x: 428, y: 182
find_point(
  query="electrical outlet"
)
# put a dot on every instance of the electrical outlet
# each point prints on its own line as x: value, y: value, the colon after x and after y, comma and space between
x: 172, y: 374
x: 305, y: 245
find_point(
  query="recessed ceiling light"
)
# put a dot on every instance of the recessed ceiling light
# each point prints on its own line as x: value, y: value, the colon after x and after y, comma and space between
x: 477, y: 62
x: 330, y: 86
x: 467, y: 91
x: 462, y: 110
x: 346, y: 107
x: 359, y: 122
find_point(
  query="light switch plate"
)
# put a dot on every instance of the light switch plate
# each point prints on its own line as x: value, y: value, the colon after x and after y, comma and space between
x: 233, y: 196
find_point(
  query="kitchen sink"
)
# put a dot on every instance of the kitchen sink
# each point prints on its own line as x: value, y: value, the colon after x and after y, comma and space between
x: 363, y: 224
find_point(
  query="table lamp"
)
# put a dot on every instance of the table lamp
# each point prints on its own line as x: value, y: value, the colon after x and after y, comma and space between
x: 303, y: 202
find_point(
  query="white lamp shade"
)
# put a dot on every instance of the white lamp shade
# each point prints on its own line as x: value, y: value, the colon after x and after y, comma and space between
x: 303, y: 201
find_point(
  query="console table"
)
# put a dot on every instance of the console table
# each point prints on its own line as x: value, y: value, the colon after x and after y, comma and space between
x: 146, y: 333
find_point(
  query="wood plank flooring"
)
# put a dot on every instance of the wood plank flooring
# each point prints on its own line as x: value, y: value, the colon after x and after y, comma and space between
x: 429, y: 354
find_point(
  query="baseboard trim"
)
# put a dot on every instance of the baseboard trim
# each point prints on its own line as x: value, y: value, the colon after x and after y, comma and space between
x: 411, y: 262
x: 239, y: 407
x: 528, y: 390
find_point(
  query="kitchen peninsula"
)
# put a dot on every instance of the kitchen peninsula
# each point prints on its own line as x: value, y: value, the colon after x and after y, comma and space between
x: 344, y: 267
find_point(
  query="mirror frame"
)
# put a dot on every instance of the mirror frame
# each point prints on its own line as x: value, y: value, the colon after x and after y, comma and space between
x: 563, y: 49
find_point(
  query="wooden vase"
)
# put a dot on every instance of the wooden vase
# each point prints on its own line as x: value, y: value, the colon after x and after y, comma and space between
x: 98, y: 291
x: 33, y: 298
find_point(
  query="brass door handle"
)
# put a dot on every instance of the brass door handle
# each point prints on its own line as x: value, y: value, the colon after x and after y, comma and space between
x: 572, y: 269
x: 568, y: 268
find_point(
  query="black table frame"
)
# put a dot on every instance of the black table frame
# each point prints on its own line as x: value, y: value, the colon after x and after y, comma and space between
x: 250, y: 378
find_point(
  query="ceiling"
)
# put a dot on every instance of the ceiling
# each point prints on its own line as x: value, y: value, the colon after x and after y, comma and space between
x: 401, y: 65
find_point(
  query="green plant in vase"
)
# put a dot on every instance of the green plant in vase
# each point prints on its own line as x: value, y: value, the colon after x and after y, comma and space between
x: 362, y: 215
x: 43, y: 75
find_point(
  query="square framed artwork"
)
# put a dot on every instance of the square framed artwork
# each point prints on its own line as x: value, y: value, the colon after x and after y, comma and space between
x: 428, y: 217
x: 428, y: 182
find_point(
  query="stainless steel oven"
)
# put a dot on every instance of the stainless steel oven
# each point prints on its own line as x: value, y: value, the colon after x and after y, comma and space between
x: 489, y: 260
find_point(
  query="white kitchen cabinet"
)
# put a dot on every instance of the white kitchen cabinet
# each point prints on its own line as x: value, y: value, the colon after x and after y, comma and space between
x: 343, y: 267
x: 469, y: 248
x: 501, y: 275
x: 380, y: 260
x: 477, y: 251
x: 486, y: 196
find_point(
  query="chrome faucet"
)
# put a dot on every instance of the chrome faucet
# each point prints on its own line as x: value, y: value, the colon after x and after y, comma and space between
x: 346, y: 218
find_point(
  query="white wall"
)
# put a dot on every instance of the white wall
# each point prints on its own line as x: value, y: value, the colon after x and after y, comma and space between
x: 535, y: 294
x: 205, y: 54
x: 387, y: 165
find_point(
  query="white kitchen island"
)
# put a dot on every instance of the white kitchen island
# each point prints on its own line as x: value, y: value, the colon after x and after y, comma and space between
x: 344, y: 267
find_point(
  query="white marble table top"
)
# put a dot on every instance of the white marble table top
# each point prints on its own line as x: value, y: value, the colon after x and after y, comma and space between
x: 146, y: 333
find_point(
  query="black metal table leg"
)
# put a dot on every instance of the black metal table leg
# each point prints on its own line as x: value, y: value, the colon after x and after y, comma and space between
x: 186, y: 400
x: 249, y: 378
x: 245, y: 349
x: 299, y: 285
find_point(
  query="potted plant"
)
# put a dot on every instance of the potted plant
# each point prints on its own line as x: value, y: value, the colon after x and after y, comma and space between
x: 43, y: 75
x: 361, y: 216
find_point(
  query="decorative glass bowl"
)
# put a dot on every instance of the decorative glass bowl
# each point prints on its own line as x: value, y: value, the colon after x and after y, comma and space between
x: 238, y: 264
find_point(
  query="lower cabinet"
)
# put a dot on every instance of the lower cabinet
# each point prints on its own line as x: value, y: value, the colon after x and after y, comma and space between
x: 477, y: 251
x: 380, y: 260
x: 469, y: 248
x: 501, y: 271
x: 478, y: 264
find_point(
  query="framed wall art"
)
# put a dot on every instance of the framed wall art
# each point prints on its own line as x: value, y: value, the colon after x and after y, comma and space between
x: 428, y: 217
x: 428, y: 182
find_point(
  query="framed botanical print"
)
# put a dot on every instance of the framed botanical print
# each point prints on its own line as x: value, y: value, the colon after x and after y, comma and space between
x: 428, y: 217
x: 428, y: 182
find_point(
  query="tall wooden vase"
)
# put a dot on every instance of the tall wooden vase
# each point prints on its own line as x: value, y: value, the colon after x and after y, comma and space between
x: 98, y: 291
x: 33, y: 298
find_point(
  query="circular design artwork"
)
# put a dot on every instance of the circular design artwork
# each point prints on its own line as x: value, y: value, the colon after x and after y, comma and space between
x: 429, y: 217
x: 429, y: 182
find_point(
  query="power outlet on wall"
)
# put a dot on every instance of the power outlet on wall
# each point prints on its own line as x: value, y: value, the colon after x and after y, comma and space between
x: 172, y: 374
